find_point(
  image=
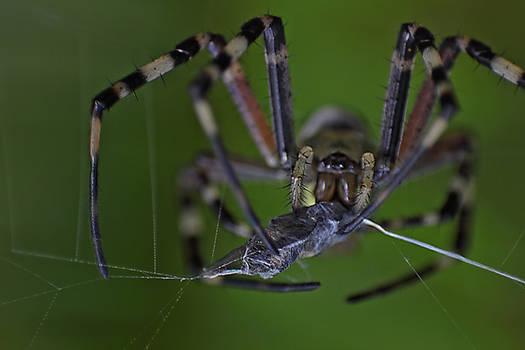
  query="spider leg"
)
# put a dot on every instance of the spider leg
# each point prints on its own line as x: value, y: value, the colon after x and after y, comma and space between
x: 456, y: 149
x: 203, y: 177
x: 396, y: 100
x: 199, y: 88
x: 276, y: 55
x: 484, y: 55
x: 425, y: 103
x: 397, y: 93
x: 450, y: 150
x: 424, y: 41
x: 449, y: 51
x: 448, y: 105
x: 247, y: 170
x: 192, y: 179
x: 190, y: 229
x: 445, y: 95
x: 107, y: 98
x: 266, y: 286
x: 247, y: 104
x: 458, y: 202
x: 279, y: 90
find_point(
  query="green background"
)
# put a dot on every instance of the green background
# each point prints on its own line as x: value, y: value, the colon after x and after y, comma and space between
x: 56, y: 55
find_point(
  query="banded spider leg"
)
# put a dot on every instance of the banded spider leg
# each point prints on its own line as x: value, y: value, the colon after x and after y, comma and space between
x: 412, y: 146
x: 224, y: 64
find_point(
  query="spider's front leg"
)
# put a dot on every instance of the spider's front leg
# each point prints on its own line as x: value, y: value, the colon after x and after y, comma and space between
x: 250, y: 31
x: 417, y: 143
x: 183, y: 52
x: 224, y: 65
x: 411, y: 36
x: 449, y: 51
x: 397, y: 143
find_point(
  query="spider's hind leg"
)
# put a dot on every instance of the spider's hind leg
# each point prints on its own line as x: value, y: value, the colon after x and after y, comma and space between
x: 204, y: 176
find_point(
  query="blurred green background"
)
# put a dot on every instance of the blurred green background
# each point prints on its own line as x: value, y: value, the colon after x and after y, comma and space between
x: 56, y: 55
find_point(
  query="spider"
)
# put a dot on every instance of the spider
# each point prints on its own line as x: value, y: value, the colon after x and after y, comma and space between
x: 349, y: 181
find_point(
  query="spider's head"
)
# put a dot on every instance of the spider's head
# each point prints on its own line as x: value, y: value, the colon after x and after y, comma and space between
x: 303, y: 233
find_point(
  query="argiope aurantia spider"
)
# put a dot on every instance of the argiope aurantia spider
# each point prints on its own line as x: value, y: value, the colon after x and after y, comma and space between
x: 334, y: 153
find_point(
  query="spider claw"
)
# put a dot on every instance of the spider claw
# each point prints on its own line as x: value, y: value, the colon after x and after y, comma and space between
x: 99, y: 253
x: 103, y: 270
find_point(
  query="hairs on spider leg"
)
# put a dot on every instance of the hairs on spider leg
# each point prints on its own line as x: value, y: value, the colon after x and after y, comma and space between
x: 163, y: 80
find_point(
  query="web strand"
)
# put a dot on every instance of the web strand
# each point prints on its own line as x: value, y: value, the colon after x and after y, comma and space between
x: 43, y: 320
x: 434, y: 296
x: 152, y: 157
x: 513, y: 248
x: 442, y: 251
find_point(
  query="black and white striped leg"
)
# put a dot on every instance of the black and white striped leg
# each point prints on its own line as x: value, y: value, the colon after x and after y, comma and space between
x: 199, y: 89
x: 106, y: 99
x: 485, y: 56
x: 247, y: 104
x: 282, y: 140
x: 460, y: 246
x: 425, y: 103
x: 424, y: 41
x: 456, y: 149
x: 452, y: 149
x: 449, y: 51
x: 193, y: 180
x: 444, y: 93
x: 396, y: 99
x: 458, y: 203
x: 203, y: 177
x: 276, y: 54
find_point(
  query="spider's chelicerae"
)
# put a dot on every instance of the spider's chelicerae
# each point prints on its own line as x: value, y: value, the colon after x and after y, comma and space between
x: 350, y: 182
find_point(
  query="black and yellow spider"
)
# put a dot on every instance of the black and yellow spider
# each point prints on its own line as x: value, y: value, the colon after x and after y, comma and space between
x: 334, y: 153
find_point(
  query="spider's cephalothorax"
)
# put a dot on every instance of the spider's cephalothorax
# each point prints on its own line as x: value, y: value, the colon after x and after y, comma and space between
x: 334, y: 154
x: 337, y: 140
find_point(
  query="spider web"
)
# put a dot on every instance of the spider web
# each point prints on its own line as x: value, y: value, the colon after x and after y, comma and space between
x: 56, y: 290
